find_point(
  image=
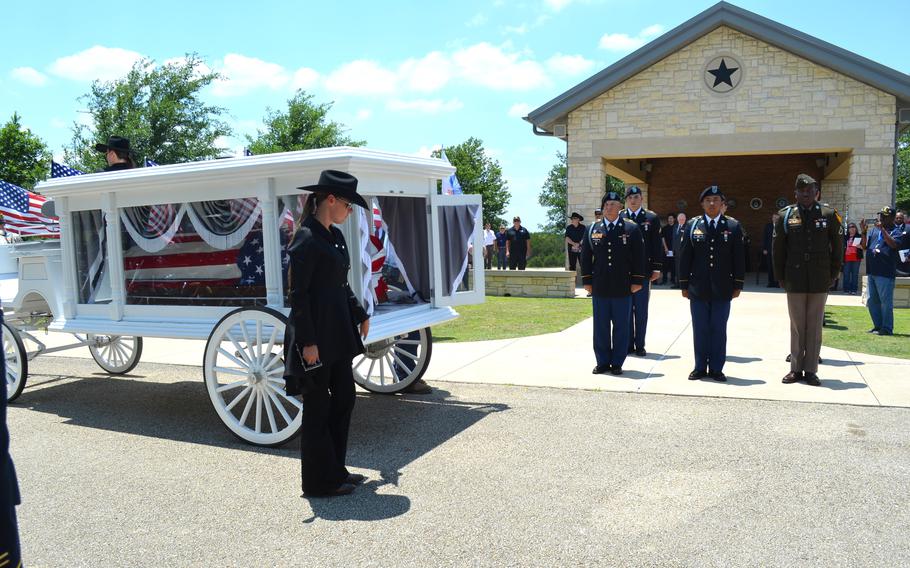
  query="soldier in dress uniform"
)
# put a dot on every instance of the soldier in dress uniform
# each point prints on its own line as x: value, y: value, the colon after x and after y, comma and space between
x: 613, y: 269
x: 807, y: 251
x: 711, y: 273
x: 649, y: 223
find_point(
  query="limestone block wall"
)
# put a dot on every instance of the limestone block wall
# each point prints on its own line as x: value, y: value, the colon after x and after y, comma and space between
x: 869, y: 185
x: 902, y: 293
x: 781, y: 97
x: 530, y: 283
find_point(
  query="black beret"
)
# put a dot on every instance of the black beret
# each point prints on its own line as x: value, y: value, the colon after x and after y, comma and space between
x: 633, y: 190
x: 610, y: 196
x: 711, y: 190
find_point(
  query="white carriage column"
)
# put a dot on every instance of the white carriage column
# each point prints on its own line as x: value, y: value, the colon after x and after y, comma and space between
x: 114, y: 251
x: 68, y: 260
x: 274, y: 290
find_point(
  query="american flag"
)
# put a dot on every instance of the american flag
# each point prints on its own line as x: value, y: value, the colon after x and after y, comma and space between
x: 246, y: 152
x: 150, y: 163
x: 22, y: 212
x: 59, y: 171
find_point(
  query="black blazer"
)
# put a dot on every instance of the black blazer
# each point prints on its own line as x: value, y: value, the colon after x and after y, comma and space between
x: 649, y: 223
x: 712, y: 263
x: 324, y: 311
x: 612, y: 262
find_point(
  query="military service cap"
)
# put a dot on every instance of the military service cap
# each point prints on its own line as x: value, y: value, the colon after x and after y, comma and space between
x: 633, y: 190
x: 711, y: 190
x: 803, y: 180
x: 610, y: 196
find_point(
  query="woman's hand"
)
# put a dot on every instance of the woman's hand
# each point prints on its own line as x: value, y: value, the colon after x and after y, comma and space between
x: 310, y: 354
x: 365, y: 328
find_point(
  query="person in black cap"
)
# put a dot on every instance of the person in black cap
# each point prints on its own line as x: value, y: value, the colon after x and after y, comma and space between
x: 118, y: 154
x: 518, y: 245
x: 575, y: 233
x: 712, y: 269
x: 883, y: 241
x: 807, y: 252
x: 649, y: 223
x: 612, y: 268
x: 322, y: 336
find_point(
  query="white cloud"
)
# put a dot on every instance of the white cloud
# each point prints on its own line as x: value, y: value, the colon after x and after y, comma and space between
x: 557, y: 5
x: 479, y: 19
x: 569, y: 64
x: 58, y: 123
x: 520, y: 110
x: 29, y: 76
x: 364, y: 114
x: 304, y: 78
x: 517, y: 30
x: 425, y: 152
x: 625, y: 42
x: 489, y: 66
x: 427, y: 74
x: 424, y: 106
x: 361, y: 77
x: 97, y: 62
x: 200, y: 70
x: 242, y: 74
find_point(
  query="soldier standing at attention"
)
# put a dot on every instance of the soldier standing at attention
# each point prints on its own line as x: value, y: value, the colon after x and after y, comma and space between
x: 807, y: 251
x: 649, y: 223
x: 612, y: 268
x: 712, y: 268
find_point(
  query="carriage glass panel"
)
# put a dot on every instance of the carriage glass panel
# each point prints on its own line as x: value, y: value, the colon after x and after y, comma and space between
x: 203, y: 253
x: 93, y: 274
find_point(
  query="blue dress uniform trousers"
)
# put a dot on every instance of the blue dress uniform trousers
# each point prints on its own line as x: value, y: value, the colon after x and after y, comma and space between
x: 639, y: 320
x: 709, y: 330
x: 611, y: 330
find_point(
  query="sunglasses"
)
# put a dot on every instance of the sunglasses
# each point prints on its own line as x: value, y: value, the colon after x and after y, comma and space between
x: 347, y: 203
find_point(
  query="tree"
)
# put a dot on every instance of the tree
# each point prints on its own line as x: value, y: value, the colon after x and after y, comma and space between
x: 554, y: 195
x: 304, y: 126
x: 479, y: 174
x: 903, y: 172
x: 24, y: 158
x: 158, y: 108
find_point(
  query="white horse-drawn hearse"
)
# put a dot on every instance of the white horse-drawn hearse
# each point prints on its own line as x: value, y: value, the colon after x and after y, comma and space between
x: 197, y: 251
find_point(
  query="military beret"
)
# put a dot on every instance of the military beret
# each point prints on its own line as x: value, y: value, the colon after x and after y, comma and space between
x: 887, y: 211
x: 711, y: 190
x: 610, y: 196
x: 633, y: 190
x: 803, y: 180
x: 576, y: 215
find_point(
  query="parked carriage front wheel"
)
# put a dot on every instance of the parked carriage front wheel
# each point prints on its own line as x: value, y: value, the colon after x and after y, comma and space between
x: 244, y: 369
x: 116, y: 354
x: 391, y: 365
x: 16, y: 362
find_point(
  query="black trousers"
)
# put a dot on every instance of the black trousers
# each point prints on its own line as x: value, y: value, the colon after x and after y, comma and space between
x: 669, y: 268
x: 573, y: 259
x: 519, y: 262
x: 488, y: 257
x: 326, y: 422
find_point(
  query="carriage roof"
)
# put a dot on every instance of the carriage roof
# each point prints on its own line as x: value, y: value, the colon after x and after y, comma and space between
x: 304, y: 165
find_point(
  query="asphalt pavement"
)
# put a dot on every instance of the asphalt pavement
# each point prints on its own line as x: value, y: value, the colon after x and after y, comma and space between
x: 139, y: 471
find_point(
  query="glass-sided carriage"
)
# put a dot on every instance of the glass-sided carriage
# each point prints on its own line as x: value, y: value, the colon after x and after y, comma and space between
x: 197, y: 251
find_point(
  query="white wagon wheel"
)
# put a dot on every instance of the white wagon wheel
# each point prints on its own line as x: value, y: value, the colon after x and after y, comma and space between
x: 391, y: 365
x: 16, y: 362
x: 243, y: 368
x: 116, y: 354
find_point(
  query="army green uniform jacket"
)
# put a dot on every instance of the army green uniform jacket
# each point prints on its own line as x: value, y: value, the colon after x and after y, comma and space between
x: 806, y: 248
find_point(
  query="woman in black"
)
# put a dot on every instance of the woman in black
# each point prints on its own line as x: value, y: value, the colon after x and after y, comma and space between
x: 323, y: 335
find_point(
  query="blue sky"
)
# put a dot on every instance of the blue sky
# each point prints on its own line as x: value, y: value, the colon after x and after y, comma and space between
x: 404, y: 76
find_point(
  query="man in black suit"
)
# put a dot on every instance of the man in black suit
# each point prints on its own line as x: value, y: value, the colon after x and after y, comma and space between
x: 711, y: 273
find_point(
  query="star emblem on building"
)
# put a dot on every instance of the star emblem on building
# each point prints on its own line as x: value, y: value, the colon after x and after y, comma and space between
x: 723, y: 74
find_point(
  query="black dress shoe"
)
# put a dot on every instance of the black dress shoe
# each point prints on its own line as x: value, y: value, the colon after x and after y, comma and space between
x: 792, y: 377
x: 641, y: 352
x: 615, y: 370
x: 355, y: 479
x: 343, y: 489
x: 696, y: 374
x: 812, y: 379
x: 601, y: 370
x: 788, y: 358
x: 718, y: 376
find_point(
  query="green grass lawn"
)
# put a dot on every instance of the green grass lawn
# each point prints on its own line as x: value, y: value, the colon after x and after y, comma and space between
x: 846, y: 326
x: 505, y: 318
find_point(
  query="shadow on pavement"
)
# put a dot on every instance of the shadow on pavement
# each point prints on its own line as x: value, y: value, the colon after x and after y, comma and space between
x: 362, y: 505
x: 840, y: 363
x: 737, y: 382
x: 738, y: 359
x: 387, y: 432
x: 836, y: 385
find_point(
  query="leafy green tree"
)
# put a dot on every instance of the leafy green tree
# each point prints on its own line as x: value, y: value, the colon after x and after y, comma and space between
x: 303, y: 126
x: 24, y: 158
x: 903, y: 172
x: 158, y: 108
x: 479, y: 174
x: 615, y: 184
x: 554, y: 195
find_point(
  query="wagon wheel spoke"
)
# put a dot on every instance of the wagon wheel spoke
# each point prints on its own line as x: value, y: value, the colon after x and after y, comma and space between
x: 231, y: 371
x: 259, y: 339
x: 290, y: 399
x: 234, y: 359
x: 249, y: 405
x: 408, y: 342
x: 239, y: 350
x: 251, y: 351
x: 393, y: 372
x: 230, y: 386
x: 359, y: 362
x: 407, y: 354
x: 258, y: 410
x: 238, y: 398
x: 284, y: 413
x: 264, y: 395
x: 370, y: 370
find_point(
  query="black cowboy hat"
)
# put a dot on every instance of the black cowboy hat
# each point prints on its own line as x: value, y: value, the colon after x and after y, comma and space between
x: 339, y: 184
x: 576, y: 215
x: 116, y: 143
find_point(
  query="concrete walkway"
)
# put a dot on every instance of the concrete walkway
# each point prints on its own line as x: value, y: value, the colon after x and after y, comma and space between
x: 757, y: 345
x: 758, y: 342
